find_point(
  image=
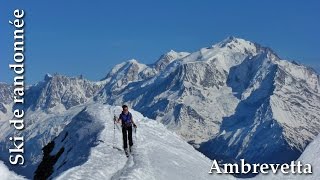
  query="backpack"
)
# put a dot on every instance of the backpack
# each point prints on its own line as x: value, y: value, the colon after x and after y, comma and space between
x: 126, y: 119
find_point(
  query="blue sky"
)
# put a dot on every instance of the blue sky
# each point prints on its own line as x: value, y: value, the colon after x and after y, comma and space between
x: 89, y: 37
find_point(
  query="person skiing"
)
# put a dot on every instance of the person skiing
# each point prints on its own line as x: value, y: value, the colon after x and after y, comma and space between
x: 126, y: 123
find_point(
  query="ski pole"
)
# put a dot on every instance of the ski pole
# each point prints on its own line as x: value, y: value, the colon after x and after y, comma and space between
x: 135, y: 134
x: 114, y: 131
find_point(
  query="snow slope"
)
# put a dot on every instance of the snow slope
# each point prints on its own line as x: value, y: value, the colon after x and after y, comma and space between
x: 311, y: 155
x: 48, y: 109
x: 41, y: 128
x: 5, y: 174
x: 158, y: 153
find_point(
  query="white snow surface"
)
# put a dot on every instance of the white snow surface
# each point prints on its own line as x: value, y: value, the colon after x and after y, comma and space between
x: 5, y: 174
x: 312, y: 155
x: 309, y: 156
x: 157, y: 154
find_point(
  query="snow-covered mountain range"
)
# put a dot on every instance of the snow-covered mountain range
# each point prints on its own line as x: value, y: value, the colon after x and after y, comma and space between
x: 235, y: 99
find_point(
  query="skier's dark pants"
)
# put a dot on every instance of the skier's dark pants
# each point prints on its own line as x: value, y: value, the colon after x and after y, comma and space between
x: 127, y: 131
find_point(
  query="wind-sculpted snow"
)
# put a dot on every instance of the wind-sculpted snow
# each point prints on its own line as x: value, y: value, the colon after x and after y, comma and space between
x: 5, y: 174
x: 41, y: 128
x: 88, y: 151
x: 312, y: 155
x: 78, y: 143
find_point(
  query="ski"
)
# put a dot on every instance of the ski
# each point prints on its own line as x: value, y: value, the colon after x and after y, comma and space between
x: 127, y: 153
x: 117, y: 148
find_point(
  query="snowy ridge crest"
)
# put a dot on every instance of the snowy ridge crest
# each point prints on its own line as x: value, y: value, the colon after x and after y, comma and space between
x: 233, y: 100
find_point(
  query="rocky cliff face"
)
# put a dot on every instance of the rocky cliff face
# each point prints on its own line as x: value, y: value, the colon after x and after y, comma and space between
x: 48, y: 106
x: 262, y: 127
x: 237, y: 99
x: 233, y: 100
x: 60, y: 91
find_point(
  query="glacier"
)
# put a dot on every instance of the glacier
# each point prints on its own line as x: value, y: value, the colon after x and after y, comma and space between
x: 235, y: 99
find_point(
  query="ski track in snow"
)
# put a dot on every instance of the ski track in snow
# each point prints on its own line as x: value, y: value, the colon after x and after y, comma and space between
x: 126, y: 170
x: 157, y: 153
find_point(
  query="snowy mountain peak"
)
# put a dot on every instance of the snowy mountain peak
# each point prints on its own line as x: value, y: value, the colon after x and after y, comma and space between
x: 167, y: 58
x: 229, y: 39
x: 236, y: 93
x: 133, y: 61
x: 237, y: 44
x: 236, y: 99
x: 171, y: 53
x: 59, y: 92
x: 175, y: 54
x: 234, y: 40
x: 47, y: 77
